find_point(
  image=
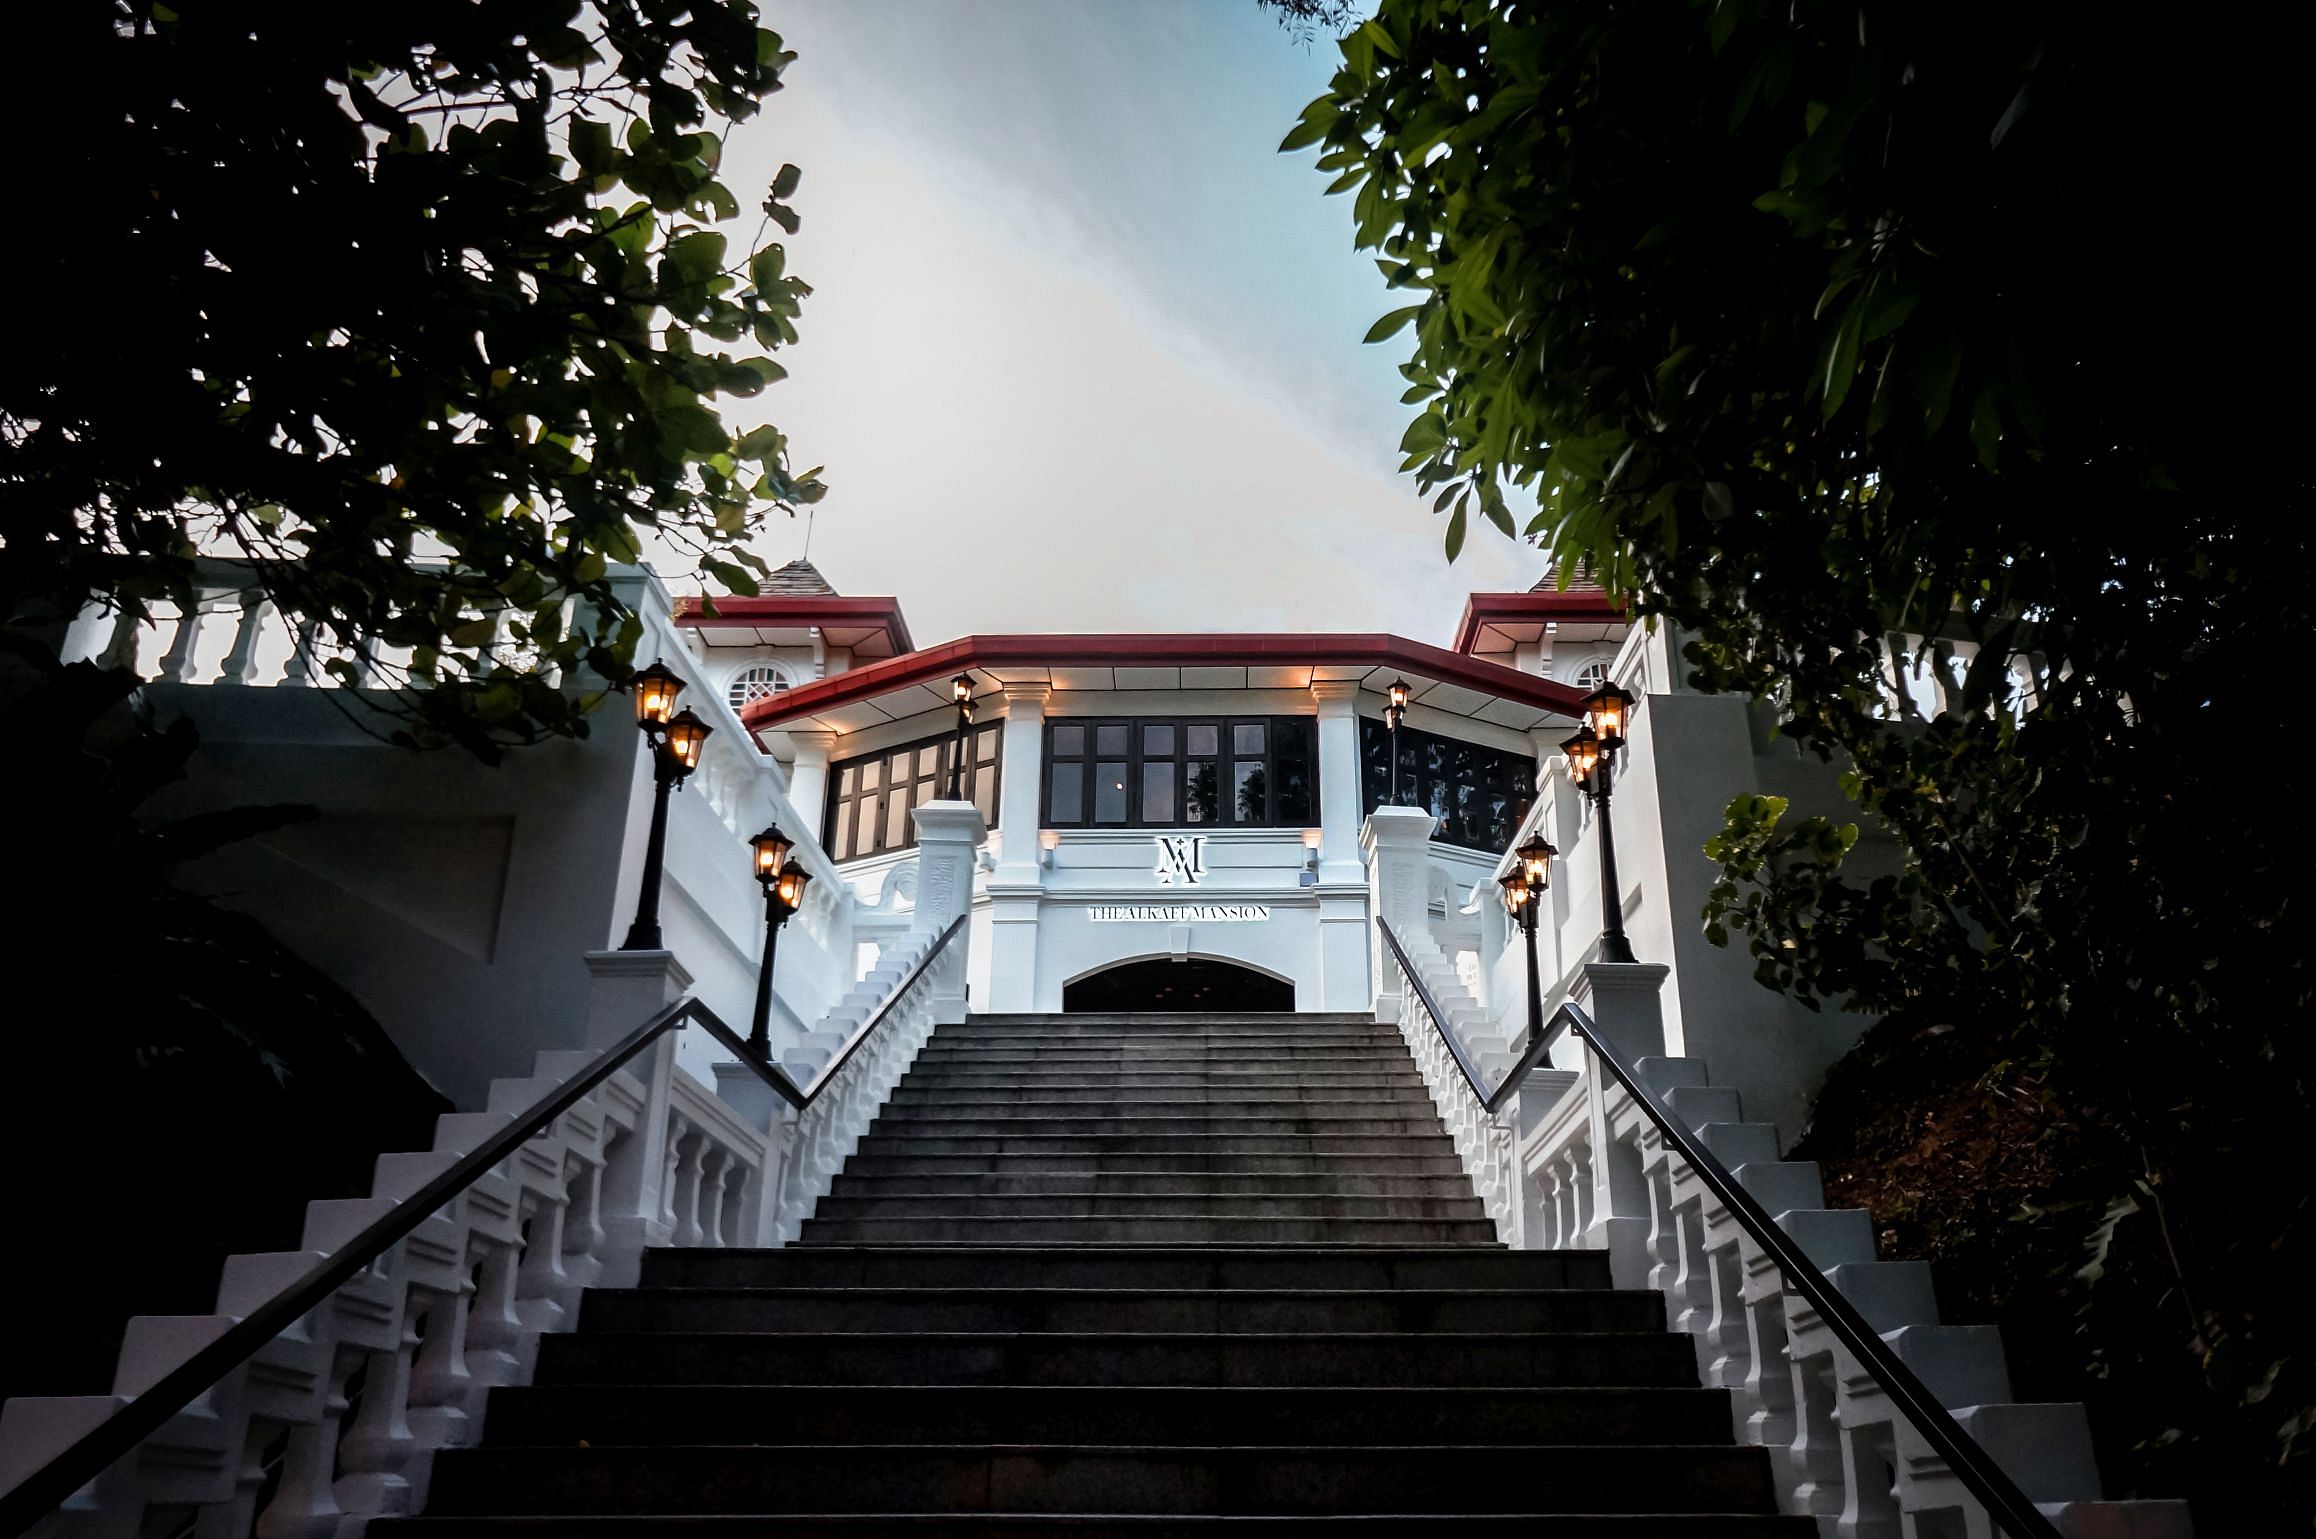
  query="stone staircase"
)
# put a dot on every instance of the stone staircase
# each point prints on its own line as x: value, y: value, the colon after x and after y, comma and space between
x: 1100, y: 1276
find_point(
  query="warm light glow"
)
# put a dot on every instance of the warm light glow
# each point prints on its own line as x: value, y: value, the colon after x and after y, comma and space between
x: 1583, y: 752
x: 1536, y: 862
x: 793, y: 880
x: 686, y: 734
x: 962, y: 688
x: 655, y: 696
x: 771, y: 847
x: 1399, y: 694
x: 1514, y: 884
x: 1607, y: 711
x: 1049, y: 838
x: 1311, y: 838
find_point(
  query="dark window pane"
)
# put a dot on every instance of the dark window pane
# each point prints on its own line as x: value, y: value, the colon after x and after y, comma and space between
x: 1110, y: 791
x: 1158, y: 791
x: 1069, y: 795
x: 1247, y: 777
x: 1246, y: 737
x: 1294, y: 793
x: 1202, y: 796
x: 1069, y: 742
x: 1158, y: 742
x: 1205, y: 741
x: 1110, y: 739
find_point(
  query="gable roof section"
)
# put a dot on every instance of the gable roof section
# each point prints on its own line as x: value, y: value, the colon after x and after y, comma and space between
x: 870, y: 627
x: 1494, y: 623
x: 910, y: 685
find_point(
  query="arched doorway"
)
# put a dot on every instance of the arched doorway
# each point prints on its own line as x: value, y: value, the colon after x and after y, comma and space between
x: 1191, y: 985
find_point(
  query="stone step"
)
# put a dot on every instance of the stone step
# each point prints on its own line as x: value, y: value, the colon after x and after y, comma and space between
x: 967, y: 1121
x: 1100, y: 1166
x: 1121, y: 1100
x: 1338, y: 1182
x: 1077, y: 1025
x: 1254, y: 1029
x: 1035, y: 1138
x: 1100, y: 1228
x: 1180, y: 1203
x: 1137, y: 1417
x: 1105, y: 1165
x: 1370, y: 1056
x: 1308, y: 1359
x: 1089, y: 1267
x: 1235, y: 1077
x: 1240, y: 1312
x: 920, y: 1525
x: 1070, y: 1478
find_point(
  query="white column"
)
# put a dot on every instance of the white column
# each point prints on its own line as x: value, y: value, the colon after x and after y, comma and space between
x: 1398, y: 845
x: 1623, y: 999
x: 1339, y: 796
x: 1021, y: 750
x: 1345, y: 944
x: 1017, y: 886
x: 808, y: 779
x: 949, y: 835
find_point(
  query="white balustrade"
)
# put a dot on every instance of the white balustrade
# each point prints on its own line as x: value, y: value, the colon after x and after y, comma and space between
x: 341, y: 1412
x: 1594, y: 1159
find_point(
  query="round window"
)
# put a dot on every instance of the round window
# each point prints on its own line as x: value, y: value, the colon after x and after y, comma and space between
x: 757, y: 682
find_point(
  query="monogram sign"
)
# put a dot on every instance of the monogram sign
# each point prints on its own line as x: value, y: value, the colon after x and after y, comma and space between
x: 1181, y: 859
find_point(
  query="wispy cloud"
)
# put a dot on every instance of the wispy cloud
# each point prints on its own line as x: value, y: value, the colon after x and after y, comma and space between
x: 1083, y: 352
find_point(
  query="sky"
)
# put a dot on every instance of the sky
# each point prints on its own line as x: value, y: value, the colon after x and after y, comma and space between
x: 1083, y: 351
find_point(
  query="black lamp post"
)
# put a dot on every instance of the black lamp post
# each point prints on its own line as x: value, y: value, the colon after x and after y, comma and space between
x: 784, y: 882
x: 962, y: 687
x: 1592, y: 768
x: 1393, y: 714
x: 1524, y: 887
x: 675, y: 738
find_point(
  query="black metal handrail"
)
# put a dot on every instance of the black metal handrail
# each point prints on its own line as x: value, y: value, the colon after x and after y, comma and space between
x: 53, y: 1483
x: 1985, y: 1479
x: 1530, y: 1056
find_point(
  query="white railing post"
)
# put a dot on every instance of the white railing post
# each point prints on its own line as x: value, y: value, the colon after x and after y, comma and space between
x: 629, y: 987
x: 949, y: 835
x: 1396, y: 842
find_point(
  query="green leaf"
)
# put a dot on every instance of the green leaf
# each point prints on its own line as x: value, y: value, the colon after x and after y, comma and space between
x: 1392, y: 323
x: 1455, y: 534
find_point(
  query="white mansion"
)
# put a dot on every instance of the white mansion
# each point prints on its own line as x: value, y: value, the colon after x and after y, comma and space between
x: 969, y: 1018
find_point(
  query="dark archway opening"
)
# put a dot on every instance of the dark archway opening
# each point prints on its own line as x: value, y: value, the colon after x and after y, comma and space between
x: 1195, y: 984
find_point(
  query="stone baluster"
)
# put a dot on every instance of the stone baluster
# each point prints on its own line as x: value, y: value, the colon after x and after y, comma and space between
x: 1871, y: 1508
x: 441, y: 1390
x: 1816, y: 1455
x: 305, y: 1503
x: 241, y: 658
x: 494, y: 1334
x: 378, y: 1445
x: 304, y: 660
x: 540, y: 1281
x: 121, y: 650
x: 177, y: 662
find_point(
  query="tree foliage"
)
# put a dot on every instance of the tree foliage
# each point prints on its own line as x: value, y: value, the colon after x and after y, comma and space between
x: 423, y: 309
x: 1896, y: 356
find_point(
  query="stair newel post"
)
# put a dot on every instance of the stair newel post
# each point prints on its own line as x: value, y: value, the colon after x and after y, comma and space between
x: 1396, y: 842
x: 1623, y: 998
x: 949, y: 839
x: 628, y: 988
